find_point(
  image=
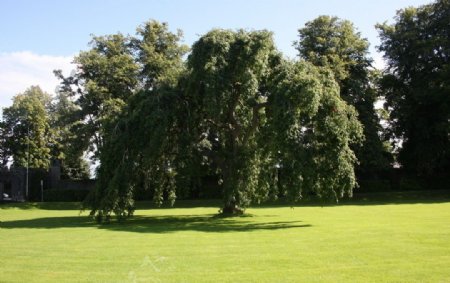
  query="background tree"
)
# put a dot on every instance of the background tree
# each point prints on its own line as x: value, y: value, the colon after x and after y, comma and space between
x: 47, y: 125
x: 5, y: 153
x: 417, y: 85
x: 311, y: 130
x: 334, y: 43
x: 115, y: 68
x: 69, y: 147
x: 105, y: 78
x: 29, y: 138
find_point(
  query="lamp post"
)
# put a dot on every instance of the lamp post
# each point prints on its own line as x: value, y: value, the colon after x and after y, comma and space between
x: 28, y: 157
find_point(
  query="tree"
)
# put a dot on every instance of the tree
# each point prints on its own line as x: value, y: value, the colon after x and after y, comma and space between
x: 334, y: 43
x: 239, y: 110
x: 26, y: 125
x: 105, y: 78
x: 253, y: 112
x: 5, y: 151
x: 43, y: 126
x: 416, y: 85
x: 69, y: 148
x: 140, y: 142
x: 228, y: 91
x: 113, y: 70
x: 312, y: 131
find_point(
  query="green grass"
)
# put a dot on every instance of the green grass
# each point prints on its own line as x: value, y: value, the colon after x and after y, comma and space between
x: 367, y: 240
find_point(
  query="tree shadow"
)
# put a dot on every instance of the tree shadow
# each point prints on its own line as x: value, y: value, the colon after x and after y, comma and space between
x: 405, y: 197
x: 156, y: 224
x: 364, y: 199
x: 196, y: 203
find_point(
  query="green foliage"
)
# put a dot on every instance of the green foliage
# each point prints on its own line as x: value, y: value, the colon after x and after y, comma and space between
x: 141, y: 138
x: 331, y: 42
x: 28, y: 138
x: 334, y: 43
x: 45, y: 125
x: 5, y: 150
x: 138, y: 153
x: 159, y: 54
x: 113, y: 70
x: 69, y: 147
x: 105, y: 79
x: 236, y: 112
x: 417, y: 85
x: 313, y: 129
x: 227, y: 90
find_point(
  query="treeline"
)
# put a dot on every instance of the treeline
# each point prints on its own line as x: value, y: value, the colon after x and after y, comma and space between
x: 38, y: 128
x: 163, y: 117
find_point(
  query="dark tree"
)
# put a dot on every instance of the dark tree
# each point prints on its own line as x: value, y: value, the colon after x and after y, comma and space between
x: 416, y: 85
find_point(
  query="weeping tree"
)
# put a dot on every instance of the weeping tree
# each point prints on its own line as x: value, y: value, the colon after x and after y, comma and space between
x: 255, y: 113
x: 311, y: 131
x: 139, y: 153
x: 140, y: 141
x: 239, y: 111
x: 227, y: 89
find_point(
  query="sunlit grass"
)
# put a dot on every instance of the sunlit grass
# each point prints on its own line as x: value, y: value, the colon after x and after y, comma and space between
x: 367, y: 242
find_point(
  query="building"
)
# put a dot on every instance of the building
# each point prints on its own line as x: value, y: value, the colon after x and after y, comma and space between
x: 13, y: 183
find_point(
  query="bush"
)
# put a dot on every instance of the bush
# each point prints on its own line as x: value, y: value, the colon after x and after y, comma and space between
x: 65, y: 195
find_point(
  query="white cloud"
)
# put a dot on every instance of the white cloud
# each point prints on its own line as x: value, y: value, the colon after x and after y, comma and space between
x: 20, y: 70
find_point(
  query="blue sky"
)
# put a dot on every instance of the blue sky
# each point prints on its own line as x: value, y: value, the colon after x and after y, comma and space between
x: 39, y: 36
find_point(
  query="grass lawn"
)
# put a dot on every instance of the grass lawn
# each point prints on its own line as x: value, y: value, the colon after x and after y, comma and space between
x: 405, y: 240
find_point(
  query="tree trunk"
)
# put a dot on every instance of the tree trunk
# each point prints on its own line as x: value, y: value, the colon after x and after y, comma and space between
x: 231, y: 208
x: 231, y: 204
